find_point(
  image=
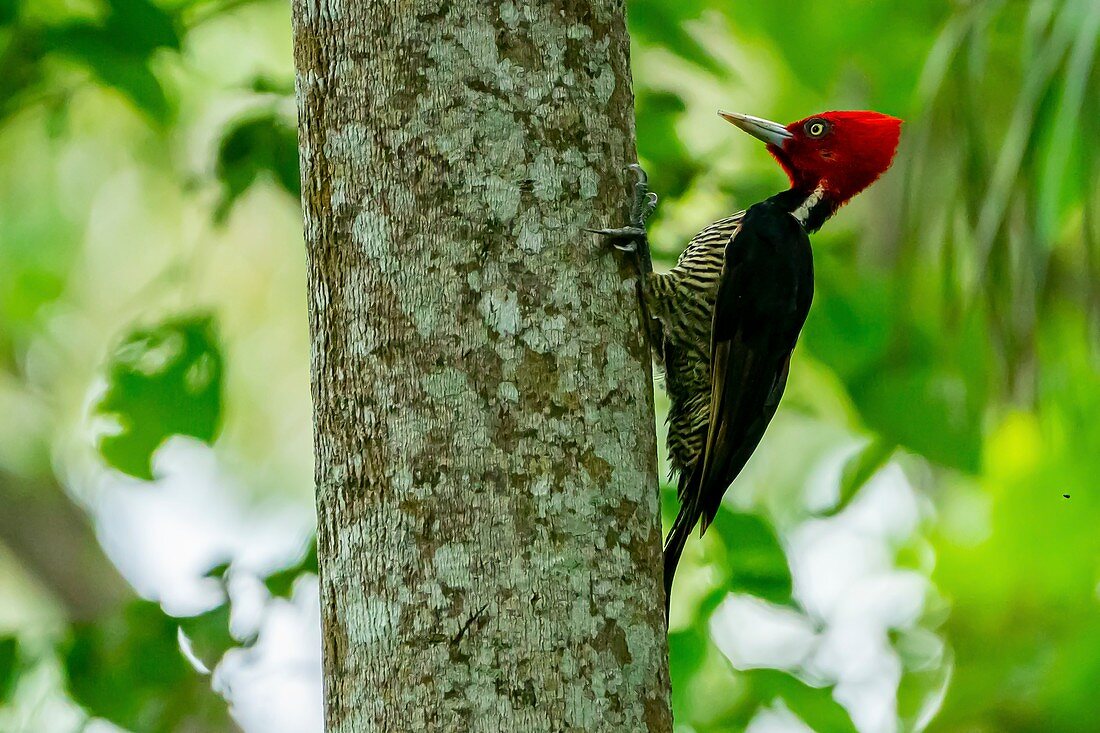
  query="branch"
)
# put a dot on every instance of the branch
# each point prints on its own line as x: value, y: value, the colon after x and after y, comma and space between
x: 52, y: 538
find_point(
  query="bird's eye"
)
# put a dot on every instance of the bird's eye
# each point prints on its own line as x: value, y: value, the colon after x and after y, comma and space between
x: 817, y: 128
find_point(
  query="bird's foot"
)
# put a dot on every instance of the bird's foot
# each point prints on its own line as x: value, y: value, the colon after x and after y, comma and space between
x: 632, y: 237
x: 622, y: 238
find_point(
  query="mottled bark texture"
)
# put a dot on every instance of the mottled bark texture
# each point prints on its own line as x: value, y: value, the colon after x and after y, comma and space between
x: 489, y: 534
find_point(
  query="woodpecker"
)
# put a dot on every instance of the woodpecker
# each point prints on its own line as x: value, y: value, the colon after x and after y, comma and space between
x: 724, y: 321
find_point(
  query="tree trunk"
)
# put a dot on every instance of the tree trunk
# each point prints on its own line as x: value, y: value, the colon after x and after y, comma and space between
x: 489, y: 537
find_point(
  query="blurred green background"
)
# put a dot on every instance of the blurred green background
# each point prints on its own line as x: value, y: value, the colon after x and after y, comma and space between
x: 914, y: 546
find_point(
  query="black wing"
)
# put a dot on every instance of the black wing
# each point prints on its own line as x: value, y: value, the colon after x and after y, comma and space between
x: 762, y: 301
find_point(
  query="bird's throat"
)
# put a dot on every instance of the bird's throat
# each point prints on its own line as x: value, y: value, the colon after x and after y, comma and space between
x: 811, y: 208
x: 806, y: 208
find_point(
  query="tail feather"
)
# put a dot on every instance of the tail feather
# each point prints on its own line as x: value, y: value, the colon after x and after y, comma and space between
x: 674, y: 546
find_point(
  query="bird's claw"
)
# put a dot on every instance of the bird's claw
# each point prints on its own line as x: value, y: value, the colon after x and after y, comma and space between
x: 645, y: 201
x: 642, y: 205
x: 619, y: 232
x: 643, y: 208
x: 624, y: 239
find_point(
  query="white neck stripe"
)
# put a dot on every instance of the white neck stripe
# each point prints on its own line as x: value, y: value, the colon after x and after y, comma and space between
x: 803, y: 211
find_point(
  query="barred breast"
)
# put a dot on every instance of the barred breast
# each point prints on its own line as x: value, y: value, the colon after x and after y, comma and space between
x: 683, y: 300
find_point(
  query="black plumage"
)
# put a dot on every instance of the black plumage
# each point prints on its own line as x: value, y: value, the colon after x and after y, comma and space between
x: 756, y: 293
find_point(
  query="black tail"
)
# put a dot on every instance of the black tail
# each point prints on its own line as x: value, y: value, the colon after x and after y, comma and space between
x: 674, y: 546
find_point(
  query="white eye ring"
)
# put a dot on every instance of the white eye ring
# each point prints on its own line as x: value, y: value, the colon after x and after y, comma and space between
x: 816, y: 129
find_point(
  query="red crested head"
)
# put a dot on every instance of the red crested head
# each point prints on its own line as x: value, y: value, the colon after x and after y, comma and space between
x: 839, y: 152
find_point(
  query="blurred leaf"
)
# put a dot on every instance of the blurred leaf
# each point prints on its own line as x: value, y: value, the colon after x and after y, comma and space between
x: 218, y: 572
x: 140, y: 27
x: 119, y: 51
x: 254, y: 146
x: 1066, y: 125
x: 926, y: 672
x: 9, y: 655
x: 209, y: 637
x: 670, y: 505
x: 115, y: 64
x: 851, y: 323
x: 927, y: 408
x: 135, y: 79
x: 131, y: 28
x: 9, y: 10
x: 281, y: 583
x: 1038, y: 82
x: 687, y: 650
x: 659, y: 145
x: 263, y: 84
x: 756, y: 562
x: 20, y: 67
x: 814, y: 705
x: 663, y: 24
x: 859, y: 469
x: 161, y: 381
x: 128, y: 669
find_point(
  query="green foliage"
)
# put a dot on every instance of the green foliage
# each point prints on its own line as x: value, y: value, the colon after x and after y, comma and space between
x: 8, y: 11
x: 20, y: 63
x: 208, y: 635
x: 9, y: 658
x: 119, y: 50
x: 128, y: 669
x: 755, y: 562
x: 281, y: 583
x: 859, y: 469
x: 161, y: 381
x: 814, y: 705
x: 658, y: 144
x: 929, y: 663
x: 256, y: 146
x: 115, y: 66
x: 936, y: 396
x: 140, y: 26
x: 663, y: 24
x: 687, y: 652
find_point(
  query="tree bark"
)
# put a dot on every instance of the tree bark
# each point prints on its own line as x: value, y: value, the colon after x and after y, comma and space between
x: 489, y: 537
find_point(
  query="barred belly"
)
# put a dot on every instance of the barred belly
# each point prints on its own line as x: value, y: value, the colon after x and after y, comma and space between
x: 683, y: 301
